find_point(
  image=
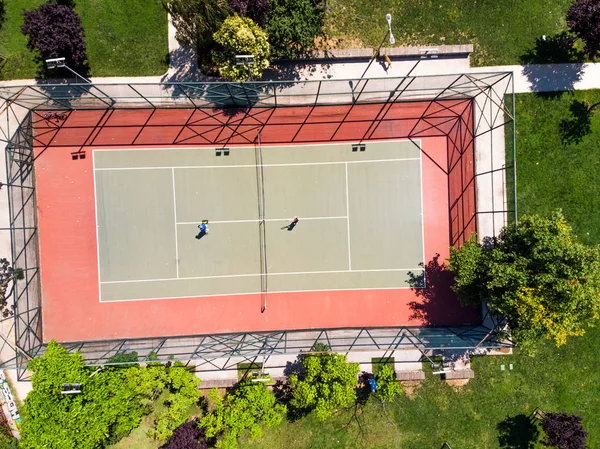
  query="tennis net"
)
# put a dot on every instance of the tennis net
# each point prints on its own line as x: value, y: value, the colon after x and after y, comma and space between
x: 261, y: 221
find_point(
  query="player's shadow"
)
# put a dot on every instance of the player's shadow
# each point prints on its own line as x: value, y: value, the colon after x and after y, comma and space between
x: 437, y: 304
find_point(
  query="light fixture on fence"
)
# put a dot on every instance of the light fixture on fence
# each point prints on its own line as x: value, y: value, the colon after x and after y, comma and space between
x: 55, y: 63
x: 245, y: 60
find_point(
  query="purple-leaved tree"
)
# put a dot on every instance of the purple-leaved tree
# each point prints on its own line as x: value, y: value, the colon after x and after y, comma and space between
x: 55, y: 31
x: 583, y: 19
x: 187, y: 436
x: 257, y: 10
x: 564, y: 431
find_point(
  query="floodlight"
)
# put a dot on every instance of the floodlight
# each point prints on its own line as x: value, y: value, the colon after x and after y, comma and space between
x: 388, y: 17
x: 55, y: 62
x: 247, y: 60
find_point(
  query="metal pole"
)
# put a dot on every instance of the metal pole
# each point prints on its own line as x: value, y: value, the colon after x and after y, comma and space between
x: 392, y: 41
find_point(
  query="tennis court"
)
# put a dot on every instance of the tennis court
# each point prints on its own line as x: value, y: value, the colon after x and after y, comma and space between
x: 380, y: 190
x: 360, y: 214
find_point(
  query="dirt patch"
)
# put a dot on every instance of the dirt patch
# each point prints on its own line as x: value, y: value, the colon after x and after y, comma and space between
x: 457, y: 384
x: 409, y: 387
x: 341, y: 43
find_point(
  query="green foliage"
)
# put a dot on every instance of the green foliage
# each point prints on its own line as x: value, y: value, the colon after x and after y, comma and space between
x: 328, y: 384
x: 240, y: 36
x: 8, y: 442
x: 197, y: 20
x: 123, y: 358
x: 292, y: 26
x: 538, y: 275
x: 249, y: 407
x: 388, y: 387
x: 183, y: 385
x: 111, y: 404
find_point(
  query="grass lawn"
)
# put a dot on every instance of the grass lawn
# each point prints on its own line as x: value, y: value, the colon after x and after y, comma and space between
x: 490, y: 412
x: 551, y: 174
x: 123, y: 38
x: 501, y: 31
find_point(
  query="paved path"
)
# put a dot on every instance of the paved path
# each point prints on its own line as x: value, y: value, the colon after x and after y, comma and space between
x: 550, y: 77
x: 531, y: 78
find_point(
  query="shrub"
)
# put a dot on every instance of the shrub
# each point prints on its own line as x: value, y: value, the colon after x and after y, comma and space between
x: 55, y: 31
x: 183, y: 385
x: 237, y: 36
x: 387, y: 384
x: 248, y: 407
x: 329, y: 383
x: 292, y: 26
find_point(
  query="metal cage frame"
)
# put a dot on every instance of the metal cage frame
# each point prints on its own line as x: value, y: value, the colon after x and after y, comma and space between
x: 493, y: 137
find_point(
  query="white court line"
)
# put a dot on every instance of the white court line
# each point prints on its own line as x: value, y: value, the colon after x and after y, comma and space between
x: 259, y: 293
x: 267, y: 145
x: 348, y: 220
x: 97, y: 227
x: 255, y: 165
x: 175, y: 220
x: 260, y: 274
x: 258, y: 221
x: 422, y: 221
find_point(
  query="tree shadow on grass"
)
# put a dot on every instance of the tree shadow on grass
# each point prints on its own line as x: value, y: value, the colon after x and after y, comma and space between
x: 567, y: 69
x: 517, y: 432
x: 437, y: 304
x: 579, y: 124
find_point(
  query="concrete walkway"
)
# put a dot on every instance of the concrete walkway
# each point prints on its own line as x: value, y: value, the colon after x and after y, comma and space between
x: 549, y: 77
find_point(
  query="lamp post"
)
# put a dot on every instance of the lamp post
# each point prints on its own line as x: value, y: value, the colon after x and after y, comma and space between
x: 247, y: 61
x: 60, y: 63
x: 55, y: 63
x: 388, y: 18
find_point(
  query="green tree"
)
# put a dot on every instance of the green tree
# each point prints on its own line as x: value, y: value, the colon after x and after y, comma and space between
x: 249, y: 407
x: 111, y: 404
x: 240, y: 36
x: 537, y: 275
x: 328, y: 383
x: 293, y: 25
x: 388, y: 387
x: 183, y: 385
x: 197, y: 20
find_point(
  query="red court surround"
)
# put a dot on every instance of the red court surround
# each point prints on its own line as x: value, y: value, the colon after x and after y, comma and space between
x: 71, y: 310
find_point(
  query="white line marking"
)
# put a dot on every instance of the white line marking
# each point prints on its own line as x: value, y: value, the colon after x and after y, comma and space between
x: 240, y: 147
x: 260, y: 274
x: 258, y: 293
x: 422, y: 219
x: 175, y: 220
x: 348, y: 220
x: 266, y: 219
x: 254, y: 165
x: 97, y: 227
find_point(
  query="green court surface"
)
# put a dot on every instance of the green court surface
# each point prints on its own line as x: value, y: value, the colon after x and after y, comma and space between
x: 360, y: 219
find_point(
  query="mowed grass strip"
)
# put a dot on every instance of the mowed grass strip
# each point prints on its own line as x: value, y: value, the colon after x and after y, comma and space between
x: 500, y: 31
x: 123, y: 38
